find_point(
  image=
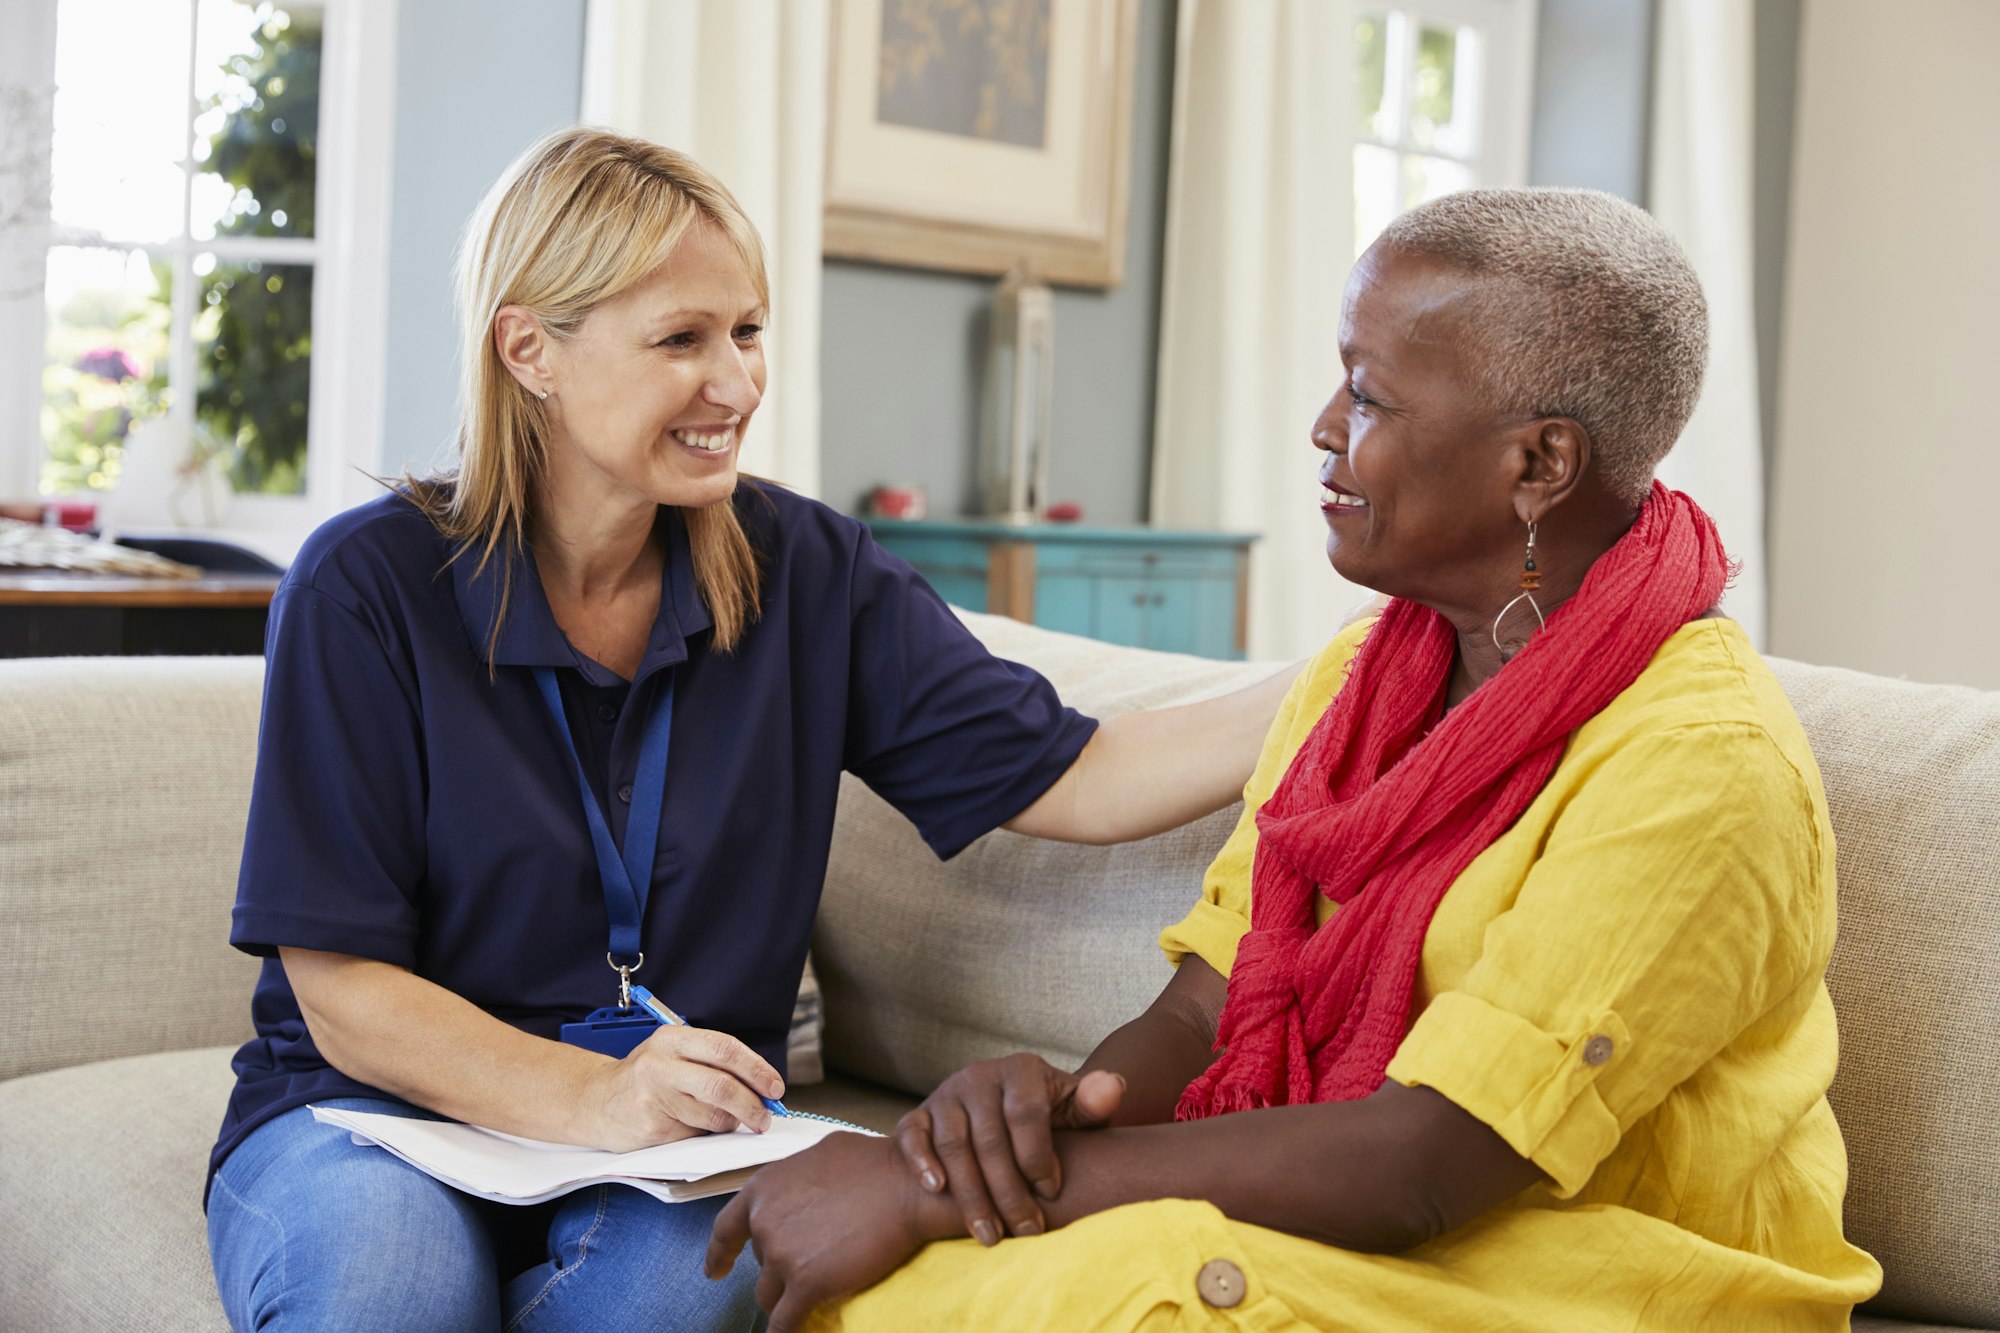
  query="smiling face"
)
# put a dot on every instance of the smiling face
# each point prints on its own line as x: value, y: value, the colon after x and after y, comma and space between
x: 651, y: 397
x: 1422, y: 493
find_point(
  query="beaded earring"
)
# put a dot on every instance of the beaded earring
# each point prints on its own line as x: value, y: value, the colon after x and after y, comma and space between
x: 1531, y: 582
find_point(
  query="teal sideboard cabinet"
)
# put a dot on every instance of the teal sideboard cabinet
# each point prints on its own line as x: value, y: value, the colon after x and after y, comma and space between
x: 1182, y: 592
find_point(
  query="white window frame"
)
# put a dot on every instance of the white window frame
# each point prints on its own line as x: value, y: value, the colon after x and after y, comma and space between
x: 349, y: 254
x: 1506, y: 92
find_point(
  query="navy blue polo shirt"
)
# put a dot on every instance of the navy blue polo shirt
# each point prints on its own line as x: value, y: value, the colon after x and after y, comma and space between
x: 412, y: 807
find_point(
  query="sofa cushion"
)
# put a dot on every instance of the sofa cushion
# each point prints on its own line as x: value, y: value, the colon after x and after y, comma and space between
x: 123, y: 788
x: 1912, y: 777
x: 1018, y: 944
x: 130, y: 777
x: 1026, y: 945
x: 118, y: 1151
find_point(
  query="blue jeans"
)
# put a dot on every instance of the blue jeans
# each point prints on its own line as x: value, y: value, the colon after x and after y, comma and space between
x: 309, y: 1230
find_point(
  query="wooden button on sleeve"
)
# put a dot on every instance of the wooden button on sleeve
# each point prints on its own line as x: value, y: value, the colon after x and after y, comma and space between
x: 1220, y: 1283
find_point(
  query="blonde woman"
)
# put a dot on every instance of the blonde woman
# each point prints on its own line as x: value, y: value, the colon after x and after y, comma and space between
x: 593, y: 650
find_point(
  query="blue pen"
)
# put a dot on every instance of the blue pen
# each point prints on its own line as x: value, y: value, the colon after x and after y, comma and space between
x: 665, y: 1017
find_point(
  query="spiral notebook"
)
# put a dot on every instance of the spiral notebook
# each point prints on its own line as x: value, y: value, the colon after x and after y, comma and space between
x: 508, y: 1169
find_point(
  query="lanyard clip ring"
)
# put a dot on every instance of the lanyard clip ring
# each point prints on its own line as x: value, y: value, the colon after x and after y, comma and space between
x: 625, y: 978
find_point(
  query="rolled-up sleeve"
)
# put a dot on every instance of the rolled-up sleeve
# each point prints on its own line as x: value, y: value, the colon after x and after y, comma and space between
x: 1675, y: 901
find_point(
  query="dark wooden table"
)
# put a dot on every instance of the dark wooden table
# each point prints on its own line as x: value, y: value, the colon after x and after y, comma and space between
x: 59, y: 613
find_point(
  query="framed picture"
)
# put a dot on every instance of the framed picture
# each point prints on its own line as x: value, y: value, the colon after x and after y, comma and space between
x: 982, y: 135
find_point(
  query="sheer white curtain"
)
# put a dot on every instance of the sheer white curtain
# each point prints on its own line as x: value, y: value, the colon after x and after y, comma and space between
x: 1700, y: 190
x: 739, y: 85
x: 27, y: 88
x: 1260, y: 235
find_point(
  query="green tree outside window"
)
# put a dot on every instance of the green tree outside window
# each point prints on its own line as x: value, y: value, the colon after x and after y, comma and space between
x: 253, y: 331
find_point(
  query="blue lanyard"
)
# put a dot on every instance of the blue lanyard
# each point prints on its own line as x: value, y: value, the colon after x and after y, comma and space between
x: 627, y: 878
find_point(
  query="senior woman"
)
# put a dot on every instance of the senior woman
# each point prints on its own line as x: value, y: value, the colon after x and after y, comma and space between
x: 1504, y: 1005
x: 574, y: 717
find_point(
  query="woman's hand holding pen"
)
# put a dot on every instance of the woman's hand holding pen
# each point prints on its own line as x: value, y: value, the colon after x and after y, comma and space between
x: 679, y: 1082
x: 988, y: 1134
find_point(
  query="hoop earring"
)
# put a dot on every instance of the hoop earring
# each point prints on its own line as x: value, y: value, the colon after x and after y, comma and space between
x: 1531, y: 582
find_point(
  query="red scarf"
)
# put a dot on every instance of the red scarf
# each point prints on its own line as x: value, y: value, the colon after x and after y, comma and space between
x: 1386, y: 804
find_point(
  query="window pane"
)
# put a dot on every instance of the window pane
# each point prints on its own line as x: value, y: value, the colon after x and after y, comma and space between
x: 106, y: 361
x: 256, y: 139
x: 1429, y: 177
x: 253, y: 348
x: 1371, y: 42
x: 1443, y: 99
x: 121, y: 117
x: 1374, y: 193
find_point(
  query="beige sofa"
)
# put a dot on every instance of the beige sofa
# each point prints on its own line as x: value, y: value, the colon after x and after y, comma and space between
x: 123, y: 785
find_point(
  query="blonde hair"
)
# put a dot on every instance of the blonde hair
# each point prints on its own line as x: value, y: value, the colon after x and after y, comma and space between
x: 1590, y: 310
x: 578, y: 218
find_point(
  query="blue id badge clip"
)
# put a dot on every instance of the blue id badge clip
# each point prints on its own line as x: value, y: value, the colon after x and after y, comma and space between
x: 613, y: 1032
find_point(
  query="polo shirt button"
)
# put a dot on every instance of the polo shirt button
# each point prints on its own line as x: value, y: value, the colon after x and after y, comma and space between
x: 625, y: 793
x: 1220, y: 1284
x: 607, y: 712
x: 1597, y: 1050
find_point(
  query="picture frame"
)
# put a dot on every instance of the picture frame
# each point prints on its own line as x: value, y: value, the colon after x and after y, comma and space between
x: 982, y: 136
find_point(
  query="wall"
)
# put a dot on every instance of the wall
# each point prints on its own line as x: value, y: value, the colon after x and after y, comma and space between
x: 1593, y: 111
x: 1593, y: 95
x: 903, y: 353
x: 903, y: 350
x: 1777, y: 59
x: 1885, y: 544
x: 476, y: 82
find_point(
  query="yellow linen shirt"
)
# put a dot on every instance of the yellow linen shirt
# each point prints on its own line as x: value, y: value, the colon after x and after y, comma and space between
x: 1628, y: 985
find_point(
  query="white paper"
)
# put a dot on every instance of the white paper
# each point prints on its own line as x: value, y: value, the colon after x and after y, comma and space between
x: 509, y: 1169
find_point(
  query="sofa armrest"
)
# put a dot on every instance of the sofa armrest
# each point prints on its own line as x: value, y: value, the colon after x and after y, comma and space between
x: 124, y: 786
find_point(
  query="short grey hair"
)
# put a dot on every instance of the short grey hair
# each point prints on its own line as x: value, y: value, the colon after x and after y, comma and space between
x: 1592, y: 312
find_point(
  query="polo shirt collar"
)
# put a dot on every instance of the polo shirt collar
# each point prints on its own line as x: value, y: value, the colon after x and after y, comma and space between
x: 529, y: 635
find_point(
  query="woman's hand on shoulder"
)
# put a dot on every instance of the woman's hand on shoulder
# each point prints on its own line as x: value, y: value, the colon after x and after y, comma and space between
x: 679, y: 1082
x: 988, y: 1135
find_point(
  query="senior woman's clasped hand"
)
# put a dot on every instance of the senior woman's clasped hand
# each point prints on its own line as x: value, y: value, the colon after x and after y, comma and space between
x: 1505, y: 1002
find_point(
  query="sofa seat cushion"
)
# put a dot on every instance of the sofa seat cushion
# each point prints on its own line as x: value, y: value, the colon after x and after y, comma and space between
x: 100, y: 1188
